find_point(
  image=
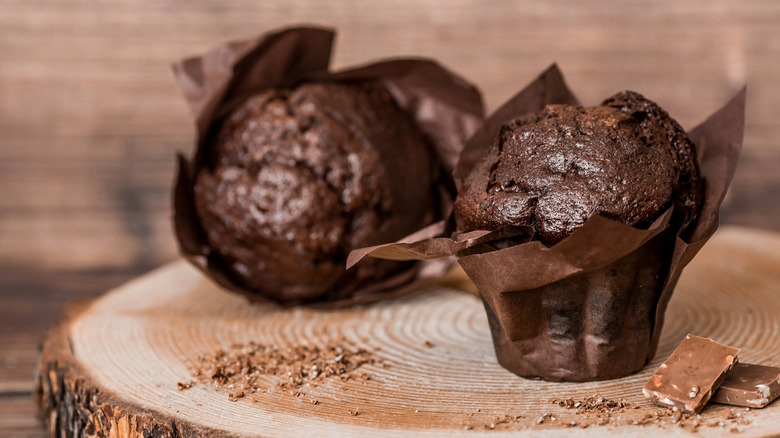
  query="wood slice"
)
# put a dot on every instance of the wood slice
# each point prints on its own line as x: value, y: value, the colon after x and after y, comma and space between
x: 111, y: 367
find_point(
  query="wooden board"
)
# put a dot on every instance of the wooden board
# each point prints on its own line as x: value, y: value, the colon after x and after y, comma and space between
x: 111, y: 366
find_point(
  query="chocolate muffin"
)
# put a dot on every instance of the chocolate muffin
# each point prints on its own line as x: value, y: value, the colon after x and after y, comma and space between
x: 297, y: 178
x: 553, y: 170
x: 569, y: 294
x: 626, y: 159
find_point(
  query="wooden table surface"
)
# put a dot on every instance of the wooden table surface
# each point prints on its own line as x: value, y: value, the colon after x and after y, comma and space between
x: 90, y: 117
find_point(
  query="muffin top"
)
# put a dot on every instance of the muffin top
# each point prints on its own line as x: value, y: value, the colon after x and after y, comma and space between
x: 626, y: 159
x: 297, y: 178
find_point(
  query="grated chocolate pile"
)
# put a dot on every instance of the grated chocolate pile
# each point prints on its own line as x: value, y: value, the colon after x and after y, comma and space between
x: 595, y: 404
x: 244, y: 368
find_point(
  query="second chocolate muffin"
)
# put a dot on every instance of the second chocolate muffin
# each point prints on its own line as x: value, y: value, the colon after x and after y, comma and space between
x: 626, y: 159
x: 298, y: 178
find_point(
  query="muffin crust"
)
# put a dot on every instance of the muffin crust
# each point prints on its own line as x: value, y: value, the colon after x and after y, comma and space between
x: 626, y: 159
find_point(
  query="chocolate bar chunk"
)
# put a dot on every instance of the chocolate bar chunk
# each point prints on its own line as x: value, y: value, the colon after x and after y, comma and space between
x: 691, y: 374
x: 753, y: 386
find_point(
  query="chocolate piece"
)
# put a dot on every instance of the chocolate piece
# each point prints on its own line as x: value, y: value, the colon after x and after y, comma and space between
x: 691, y: 374
x: 753, y: 386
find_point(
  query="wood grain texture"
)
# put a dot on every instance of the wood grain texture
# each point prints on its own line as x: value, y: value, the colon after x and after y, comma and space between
x: 91, y: 117
x: 18, y: 417
x: 30, y: 302
x: 113, y: 366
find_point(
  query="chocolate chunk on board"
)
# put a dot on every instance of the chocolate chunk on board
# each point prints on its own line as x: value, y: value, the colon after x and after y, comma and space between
x: 749, y: 385
x: 687, y: 379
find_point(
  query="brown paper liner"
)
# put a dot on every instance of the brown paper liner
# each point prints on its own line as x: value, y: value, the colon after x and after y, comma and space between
x: 592, y: 306
x: 446, y: 108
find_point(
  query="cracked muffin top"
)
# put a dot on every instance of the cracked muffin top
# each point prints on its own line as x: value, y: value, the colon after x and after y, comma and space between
x: 297, y: 178
x: 626, y: 159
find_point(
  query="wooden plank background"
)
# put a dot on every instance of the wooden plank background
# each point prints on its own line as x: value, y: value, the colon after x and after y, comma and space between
x: 90, y: 117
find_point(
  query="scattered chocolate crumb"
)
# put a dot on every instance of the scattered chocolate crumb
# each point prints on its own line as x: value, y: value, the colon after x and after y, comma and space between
x: 428, y: 344
x: 731, y: 419
x: 234, y: 396
x: 494, y: 422
x: 598, y: 411
x: 545, y: 417
x: 243, y: 367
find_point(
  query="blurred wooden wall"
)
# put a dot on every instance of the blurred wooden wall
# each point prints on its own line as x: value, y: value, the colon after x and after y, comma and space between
x: 90, y: 117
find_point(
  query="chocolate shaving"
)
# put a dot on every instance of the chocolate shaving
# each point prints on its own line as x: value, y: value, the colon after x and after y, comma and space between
x: 248, y: 369
x: 595, y: 404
